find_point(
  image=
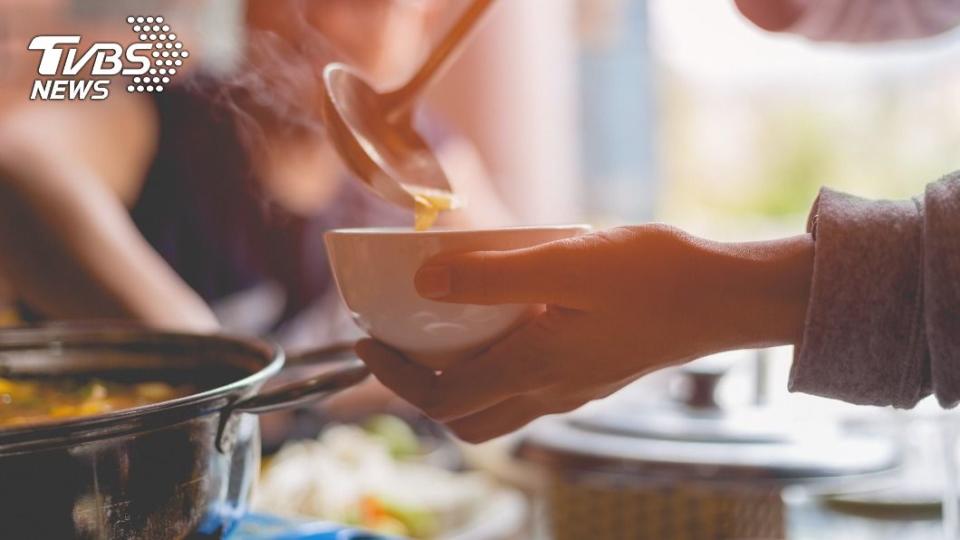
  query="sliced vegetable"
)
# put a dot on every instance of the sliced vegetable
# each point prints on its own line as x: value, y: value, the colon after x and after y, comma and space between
x: 418, y: 522
x: 395, y: 434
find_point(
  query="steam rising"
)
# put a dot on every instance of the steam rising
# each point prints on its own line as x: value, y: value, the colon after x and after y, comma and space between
x: 277, y: 86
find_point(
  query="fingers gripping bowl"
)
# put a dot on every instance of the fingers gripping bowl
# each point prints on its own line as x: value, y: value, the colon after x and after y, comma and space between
x: 375, y: 269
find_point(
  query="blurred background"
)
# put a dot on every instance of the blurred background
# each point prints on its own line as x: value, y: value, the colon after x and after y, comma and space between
x: 624, y: 111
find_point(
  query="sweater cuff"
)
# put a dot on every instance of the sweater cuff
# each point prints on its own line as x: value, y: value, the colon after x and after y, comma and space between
x: 864, y: 339
x: 942, y: 286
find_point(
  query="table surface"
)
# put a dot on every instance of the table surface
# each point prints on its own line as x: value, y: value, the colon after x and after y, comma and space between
x: 812, y: 521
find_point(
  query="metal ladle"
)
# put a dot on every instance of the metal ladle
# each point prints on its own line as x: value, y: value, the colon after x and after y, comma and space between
x: 374, y: 133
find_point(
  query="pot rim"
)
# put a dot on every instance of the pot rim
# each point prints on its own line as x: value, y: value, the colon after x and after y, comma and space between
x: 152, y: 416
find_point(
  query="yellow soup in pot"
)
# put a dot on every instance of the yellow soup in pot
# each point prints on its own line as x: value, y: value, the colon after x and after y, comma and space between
x: 32, y: 401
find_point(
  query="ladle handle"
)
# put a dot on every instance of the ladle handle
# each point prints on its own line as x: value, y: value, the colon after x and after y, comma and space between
x: 400, y: 100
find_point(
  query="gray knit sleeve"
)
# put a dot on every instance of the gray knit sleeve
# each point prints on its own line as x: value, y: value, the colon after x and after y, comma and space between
x: 942, y: 286
x: 883, y: 323
x: 864, y: 341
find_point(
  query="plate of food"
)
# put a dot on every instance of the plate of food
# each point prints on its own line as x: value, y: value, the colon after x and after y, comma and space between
x: 380, y: 477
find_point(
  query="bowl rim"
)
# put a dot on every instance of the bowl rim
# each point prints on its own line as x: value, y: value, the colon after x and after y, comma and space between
x: 442, y: 231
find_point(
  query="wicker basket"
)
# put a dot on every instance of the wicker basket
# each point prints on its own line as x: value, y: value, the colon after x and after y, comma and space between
x: 583, y: 507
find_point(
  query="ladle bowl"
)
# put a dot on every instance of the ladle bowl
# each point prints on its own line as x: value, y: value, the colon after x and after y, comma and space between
x: 379, y: 146
x: 373, y: 132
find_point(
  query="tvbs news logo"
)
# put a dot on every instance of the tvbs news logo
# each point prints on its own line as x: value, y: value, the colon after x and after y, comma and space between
x: 150, y: 63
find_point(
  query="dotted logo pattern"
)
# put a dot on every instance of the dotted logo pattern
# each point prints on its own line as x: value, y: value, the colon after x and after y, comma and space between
x: 168, y: 53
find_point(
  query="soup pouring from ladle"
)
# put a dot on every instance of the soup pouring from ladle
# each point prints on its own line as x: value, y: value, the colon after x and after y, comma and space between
x: 374, y: 133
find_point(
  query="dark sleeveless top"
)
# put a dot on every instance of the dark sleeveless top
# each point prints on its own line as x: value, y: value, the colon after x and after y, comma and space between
x: 202, y: 210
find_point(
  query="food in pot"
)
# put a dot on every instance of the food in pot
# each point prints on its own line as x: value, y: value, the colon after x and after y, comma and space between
x: 36, y: 400
x: 429, y: 203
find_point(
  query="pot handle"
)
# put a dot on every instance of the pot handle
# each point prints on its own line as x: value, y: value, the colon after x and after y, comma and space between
x: 323, y: 385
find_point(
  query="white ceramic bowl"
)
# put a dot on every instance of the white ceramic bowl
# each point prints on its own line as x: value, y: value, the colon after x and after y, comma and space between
x: 375, y: 269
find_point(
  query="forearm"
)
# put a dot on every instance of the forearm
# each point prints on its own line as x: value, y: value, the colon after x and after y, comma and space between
x: 756, y: 293
x: 777, y: 279
x: 69, y: 249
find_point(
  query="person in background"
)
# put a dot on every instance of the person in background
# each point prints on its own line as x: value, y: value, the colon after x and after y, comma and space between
x: 869, y: 296
x: 162, y: 207
x: 203, y: 207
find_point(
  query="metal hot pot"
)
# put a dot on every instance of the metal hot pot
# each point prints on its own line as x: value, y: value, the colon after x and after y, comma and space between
x: 176, y: 469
